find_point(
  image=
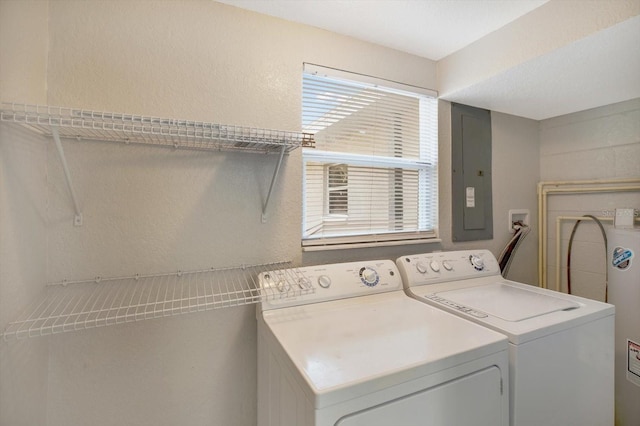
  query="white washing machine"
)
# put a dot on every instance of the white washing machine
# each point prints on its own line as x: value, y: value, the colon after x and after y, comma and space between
x: 561, y: 352
x: 359, y: 352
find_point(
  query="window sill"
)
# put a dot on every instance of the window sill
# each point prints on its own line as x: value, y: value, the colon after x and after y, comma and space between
x: 342, y: 246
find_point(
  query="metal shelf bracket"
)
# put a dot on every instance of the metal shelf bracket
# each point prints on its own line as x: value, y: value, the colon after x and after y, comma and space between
x: 276, y: 172
x: 77, y: 219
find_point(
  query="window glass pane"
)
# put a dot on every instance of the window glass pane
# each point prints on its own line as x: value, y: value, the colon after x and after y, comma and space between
x: 361, y: 120
x: 338, y: 192
x: 374, y: 166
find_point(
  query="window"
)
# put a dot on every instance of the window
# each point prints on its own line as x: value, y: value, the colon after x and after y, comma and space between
x: 371, y: 176
x: 337, y: 189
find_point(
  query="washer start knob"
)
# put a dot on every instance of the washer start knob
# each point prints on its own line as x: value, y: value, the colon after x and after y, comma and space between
x: 368, y: 276
x: 476, y: 262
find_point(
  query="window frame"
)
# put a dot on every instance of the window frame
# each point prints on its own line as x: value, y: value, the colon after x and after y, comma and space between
x: 334, y: 158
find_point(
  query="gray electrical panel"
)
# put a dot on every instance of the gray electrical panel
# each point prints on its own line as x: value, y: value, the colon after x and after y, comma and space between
x: 471, y: 173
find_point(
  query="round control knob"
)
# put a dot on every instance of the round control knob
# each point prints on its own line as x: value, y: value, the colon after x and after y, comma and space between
x: 324, y: 281
x: 447, y: 265
x: 369, y: 277
x: 435, y: 266
x: 421, y: 267
x: 282, y: 286
x: 476, y: 262
x: 304, y: 283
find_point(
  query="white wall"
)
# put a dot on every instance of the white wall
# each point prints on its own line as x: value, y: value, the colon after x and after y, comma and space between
x: 602, y: 143
x: 149, y: 209
x: 23, y: 180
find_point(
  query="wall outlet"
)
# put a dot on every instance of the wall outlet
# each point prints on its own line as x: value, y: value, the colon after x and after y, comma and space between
x: 518, y: 216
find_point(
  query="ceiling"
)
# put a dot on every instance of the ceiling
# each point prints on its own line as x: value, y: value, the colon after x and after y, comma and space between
x: 432, y: 29
x: 600, y: 69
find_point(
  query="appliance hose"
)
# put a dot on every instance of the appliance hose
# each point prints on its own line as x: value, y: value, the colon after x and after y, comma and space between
x: 604, y: 236
x: 505, y: 258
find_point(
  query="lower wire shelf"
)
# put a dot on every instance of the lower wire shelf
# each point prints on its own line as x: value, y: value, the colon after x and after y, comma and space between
x: 79, y: 305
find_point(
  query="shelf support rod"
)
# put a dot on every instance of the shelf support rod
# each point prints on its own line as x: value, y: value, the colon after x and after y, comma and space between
x: 273, y: 181
x: 77, y: 220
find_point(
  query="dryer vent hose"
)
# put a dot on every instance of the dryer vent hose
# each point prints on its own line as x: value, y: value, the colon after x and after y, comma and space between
x: 509, y: 251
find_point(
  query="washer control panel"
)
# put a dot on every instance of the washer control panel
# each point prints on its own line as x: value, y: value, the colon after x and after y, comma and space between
x: 438, y: 267
x: 328, y: 282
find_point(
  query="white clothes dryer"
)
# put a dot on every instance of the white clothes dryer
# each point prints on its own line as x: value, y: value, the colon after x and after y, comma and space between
x: 561, y: 353
x: 359, y: 352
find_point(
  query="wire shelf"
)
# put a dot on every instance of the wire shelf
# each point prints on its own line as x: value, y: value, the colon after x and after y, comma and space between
x: 127, y: 128
x: 79, y: 305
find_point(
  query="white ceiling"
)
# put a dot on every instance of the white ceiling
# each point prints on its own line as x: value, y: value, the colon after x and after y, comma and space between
x: 601, y: 69
x: 432, y: 29
x: 598, y: 70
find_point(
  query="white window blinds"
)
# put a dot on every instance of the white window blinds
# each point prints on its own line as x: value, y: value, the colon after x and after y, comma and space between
x: 372, y: 175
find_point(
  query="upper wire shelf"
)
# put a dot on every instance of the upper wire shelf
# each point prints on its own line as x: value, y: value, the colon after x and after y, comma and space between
x: 61, y: 122
x: 127, y: 128
x: 78, y: 305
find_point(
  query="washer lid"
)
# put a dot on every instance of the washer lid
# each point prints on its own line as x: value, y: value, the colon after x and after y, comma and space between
x: 507, y: 302
x: 351, y: 347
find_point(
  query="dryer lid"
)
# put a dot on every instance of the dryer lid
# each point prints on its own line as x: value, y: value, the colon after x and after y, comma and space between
x: 507, y: 302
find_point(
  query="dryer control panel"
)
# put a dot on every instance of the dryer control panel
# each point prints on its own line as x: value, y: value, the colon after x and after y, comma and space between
x: 328, y: 282
x: 438, y: 267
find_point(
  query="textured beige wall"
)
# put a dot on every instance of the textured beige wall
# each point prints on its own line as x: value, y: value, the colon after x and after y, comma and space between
x: 23, y: 178
x: 23, y: 51
x: 23, y: 196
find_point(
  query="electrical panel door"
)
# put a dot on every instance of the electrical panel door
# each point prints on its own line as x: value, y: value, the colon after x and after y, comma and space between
x: 471, y: 173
